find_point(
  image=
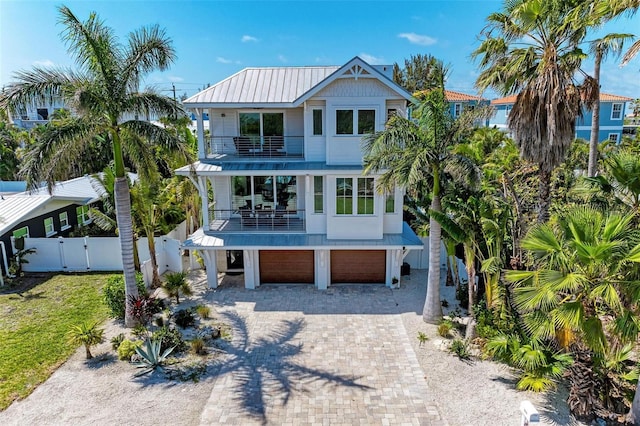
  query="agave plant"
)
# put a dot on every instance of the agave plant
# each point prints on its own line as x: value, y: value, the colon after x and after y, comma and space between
x: 151, y: 357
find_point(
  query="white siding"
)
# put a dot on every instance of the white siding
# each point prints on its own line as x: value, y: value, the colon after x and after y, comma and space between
x: 222, y: 192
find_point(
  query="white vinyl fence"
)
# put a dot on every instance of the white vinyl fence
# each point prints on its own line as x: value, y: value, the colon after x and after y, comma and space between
x: 100, y: 254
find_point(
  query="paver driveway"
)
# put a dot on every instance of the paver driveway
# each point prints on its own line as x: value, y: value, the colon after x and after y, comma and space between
x: 305, y: 357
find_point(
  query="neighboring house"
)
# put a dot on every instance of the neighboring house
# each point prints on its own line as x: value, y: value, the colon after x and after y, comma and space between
x: 612, y: 109
x: 284, y: 162
x: 36, y: 113
x: 40, y: 214
x: 461, y: 101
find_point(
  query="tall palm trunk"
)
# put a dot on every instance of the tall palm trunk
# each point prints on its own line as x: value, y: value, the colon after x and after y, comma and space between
x: 595, y: 119
x: 544, y: 194
x: 432, y: 312
x: 470, y: 263
x: 634, y: 414
x: 125, y: 228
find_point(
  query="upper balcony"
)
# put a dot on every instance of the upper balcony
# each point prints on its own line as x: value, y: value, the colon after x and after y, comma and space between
x: 254, y: 148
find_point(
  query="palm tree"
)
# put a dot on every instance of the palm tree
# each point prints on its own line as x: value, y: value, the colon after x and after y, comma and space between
x: 86, y: 334
x: 532, y: 49
x: 176, y: 284
x: 416, y: 156
x: 103, y: 92
x: 582, y: 294
x: 600, y: 48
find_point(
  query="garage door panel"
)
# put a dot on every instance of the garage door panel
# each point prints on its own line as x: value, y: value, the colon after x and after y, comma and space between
x: 358, y: 266
x: 286, y: 266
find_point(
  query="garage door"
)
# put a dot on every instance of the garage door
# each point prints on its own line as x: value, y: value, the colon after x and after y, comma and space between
x: 358, y: 266
x: 286, y: 266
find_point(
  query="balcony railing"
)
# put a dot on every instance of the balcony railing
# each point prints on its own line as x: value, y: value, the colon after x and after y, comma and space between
x: 260, y: 220
x: 259, y: 147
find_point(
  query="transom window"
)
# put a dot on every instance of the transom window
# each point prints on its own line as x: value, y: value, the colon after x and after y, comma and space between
x: 616, y: 111
x: 82, y: 213
x: 362, y: 120
x: 49, y: 229
x: 362, y: 203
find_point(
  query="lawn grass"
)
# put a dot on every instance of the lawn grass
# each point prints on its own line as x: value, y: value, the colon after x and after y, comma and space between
x: 34, y: 320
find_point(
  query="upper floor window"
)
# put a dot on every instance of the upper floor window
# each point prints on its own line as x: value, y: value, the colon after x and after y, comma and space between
x: 317, y: 122
x: 390, y: 202
x: 318, y: 194
x: 457, y: 110
x: 49, y: 228
x: 364, y: 120
x: 616, y: 111
x: 82, y: 213
x: 261, y: 124
x: 362, y: 203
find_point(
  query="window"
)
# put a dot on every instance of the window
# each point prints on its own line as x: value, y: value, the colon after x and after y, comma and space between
x: 64, y: 221
x: 344, y: 122
x: 82, y: 213
x: 507, y: 110
x: 317, y: 122
x: 365, y: 120
x: 616, y: 111
x: 257, y: 127
x: 457, y: 110
x: 264, y: 192
x: 613, y: 137
x: 21, y: 232
x: 390, y: 202
x: 318, y: 194
x: 345, y: 202
x: 49, y: 229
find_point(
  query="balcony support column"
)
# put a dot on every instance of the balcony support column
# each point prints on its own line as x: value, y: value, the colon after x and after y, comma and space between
x: 203, y: 189
x: 199, y: 113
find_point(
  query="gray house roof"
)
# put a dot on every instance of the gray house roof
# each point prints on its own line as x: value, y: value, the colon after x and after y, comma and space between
x: 284, y: 86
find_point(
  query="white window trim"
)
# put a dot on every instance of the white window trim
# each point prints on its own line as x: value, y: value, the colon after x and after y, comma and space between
x: 260, y: 112
x: 354, y: 198
x: 53, y: 227
x: 88, y: 218
x: 66, y: 216
x: 355, y: 110
x: 617, y: 137
x: 457, y: 109
x: 386, y: 196
x: 24, y: 227
x: 324, y: 195
x: 613, y: 111
x: 322, y: 121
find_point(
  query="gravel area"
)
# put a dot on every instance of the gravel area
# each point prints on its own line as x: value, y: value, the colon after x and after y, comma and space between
x: 103, y: 391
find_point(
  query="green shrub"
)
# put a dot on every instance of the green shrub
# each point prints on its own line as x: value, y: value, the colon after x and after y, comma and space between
x: 114, y: 297
x: 169, y: 337
x: 444, y: 328
x: 127, y: 348
x: 460, y: 348
x: 203, y: 311
x: 116, y: 340
x: 140, y: 331
x: 184, y: 318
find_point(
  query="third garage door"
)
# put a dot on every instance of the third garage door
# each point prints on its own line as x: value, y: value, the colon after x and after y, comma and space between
x: 358, y: 266
x: 286, y: 266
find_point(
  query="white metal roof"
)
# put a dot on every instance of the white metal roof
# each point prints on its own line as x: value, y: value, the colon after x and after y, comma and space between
x: 281, y: 85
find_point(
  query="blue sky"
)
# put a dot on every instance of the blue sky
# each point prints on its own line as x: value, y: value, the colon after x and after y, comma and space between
x: 215, y: 39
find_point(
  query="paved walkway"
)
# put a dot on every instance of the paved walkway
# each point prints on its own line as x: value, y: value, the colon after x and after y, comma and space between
x: 305, y: 357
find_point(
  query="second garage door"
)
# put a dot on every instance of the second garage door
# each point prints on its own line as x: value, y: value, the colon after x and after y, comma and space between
x: 358, y: 266
x: 286, y: 266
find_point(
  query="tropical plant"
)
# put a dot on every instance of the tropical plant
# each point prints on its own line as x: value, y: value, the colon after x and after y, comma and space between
x: 531, y: 49
x: 583, y: 292
x: 127, y: 349
x: 86, y: 334
x: 444, y: 328
x: 169, y: 338
x: 175, y: 284
x: 151, y: 357
x: 420, y: 72
x: 103, y: 92
x: 422, y: 338
x: 460, y: 348
x: 198, y: 346
x: 416, y: 155
x: 114, y: 294
x: 184, y: 318
x: 144, y: 307
x: 203, y: 311
x: 116, y: 341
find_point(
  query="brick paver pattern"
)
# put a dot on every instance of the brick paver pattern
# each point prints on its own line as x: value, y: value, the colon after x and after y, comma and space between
x: 300, y: 356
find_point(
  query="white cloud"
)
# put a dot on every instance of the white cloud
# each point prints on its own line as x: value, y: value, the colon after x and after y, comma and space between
x: 282, y: 58
x: 370, y: 59
x: 422, y: 40
x: 175, y: 79
x: 47, y: 63
x: 223, y: 60
x: 247, y: 38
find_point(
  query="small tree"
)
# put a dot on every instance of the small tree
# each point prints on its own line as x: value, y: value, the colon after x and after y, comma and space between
x: 175, y: 284
x: 86, y: 334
